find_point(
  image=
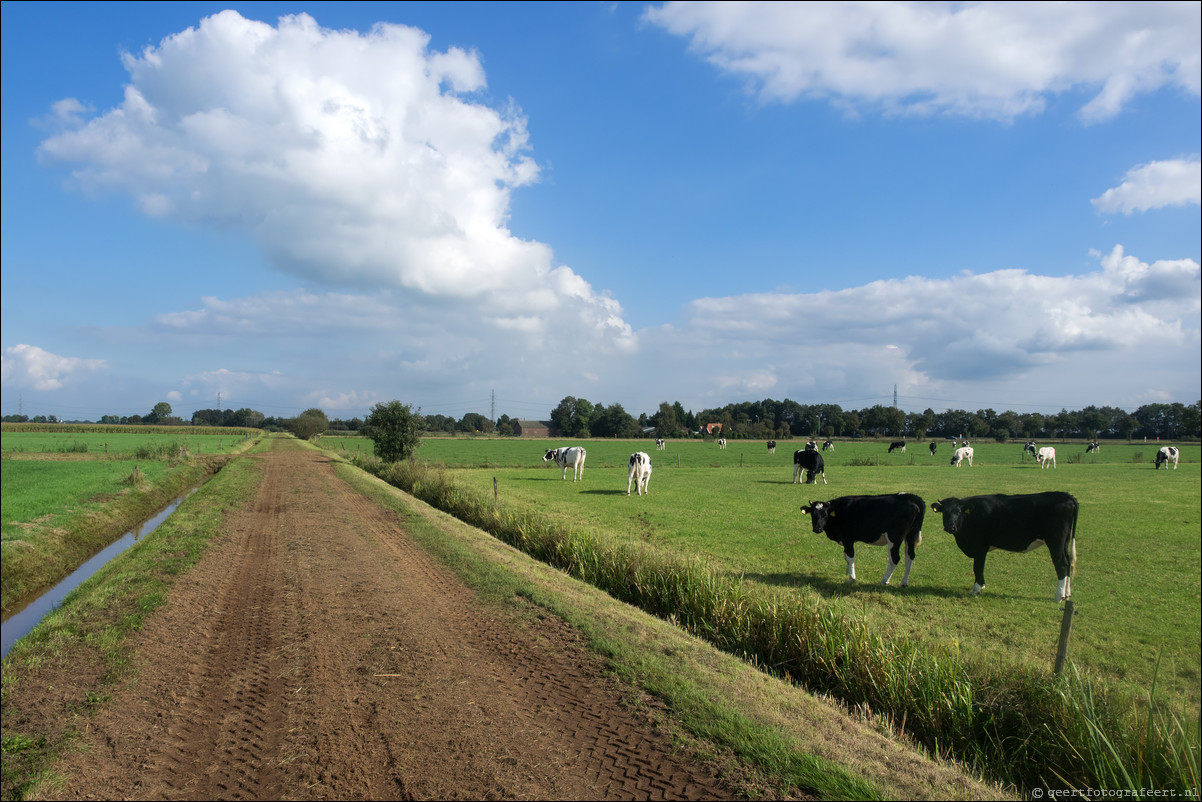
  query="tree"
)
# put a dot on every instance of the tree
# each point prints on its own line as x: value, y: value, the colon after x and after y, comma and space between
x: 571, y: 418
x: 159, y: 414
x: 395, y: 428
x: 309, y: 424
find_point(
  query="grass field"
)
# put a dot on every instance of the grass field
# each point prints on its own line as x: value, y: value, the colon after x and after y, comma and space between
x: 1137, y: 586
x: 117, y: 444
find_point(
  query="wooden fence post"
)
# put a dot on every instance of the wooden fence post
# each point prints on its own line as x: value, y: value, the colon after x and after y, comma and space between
x: 1066, y: 627
x: 494, y: 488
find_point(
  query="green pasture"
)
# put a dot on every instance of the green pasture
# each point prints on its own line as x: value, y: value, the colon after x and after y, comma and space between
x: 118, y: 444
x: 39, y: 491
x: 1137, y: 585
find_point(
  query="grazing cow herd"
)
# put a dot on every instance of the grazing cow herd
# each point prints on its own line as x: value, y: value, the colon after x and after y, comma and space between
x: 979, y: 524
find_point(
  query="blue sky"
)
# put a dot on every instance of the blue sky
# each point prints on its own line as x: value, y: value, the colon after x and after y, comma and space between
x: 308, y: 204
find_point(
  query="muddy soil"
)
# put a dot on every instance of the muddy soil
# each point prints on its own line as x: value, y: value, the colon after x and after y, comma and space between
x: 316, y: 653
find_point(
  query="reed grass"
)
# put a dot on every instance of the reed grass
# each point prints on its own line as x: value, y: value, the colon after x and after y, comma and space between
x: 1015, y: 725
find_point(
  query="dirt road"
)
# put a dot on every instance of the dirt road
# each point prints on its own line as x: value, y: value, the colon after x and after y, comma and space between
x: 316, y: 653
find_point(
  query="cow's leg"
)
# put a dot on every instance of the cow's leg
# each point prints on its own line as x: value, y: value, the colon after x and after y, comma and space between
x: 894, y: 552
x: 849, y: 554
x: 978, y: 571
x: 797, y: 473
x: 629, y: 480
x: 910, y: 559
x: 647, y: 483
x: 823, y: 478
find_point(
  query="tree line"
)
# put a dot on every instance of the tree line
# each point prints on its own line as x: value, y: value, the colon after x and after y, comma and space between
x: 760, y: 420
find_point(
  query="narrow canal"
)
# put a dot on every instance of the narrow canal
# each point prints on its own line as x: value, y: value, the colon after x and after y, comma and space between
x: 22, y: 621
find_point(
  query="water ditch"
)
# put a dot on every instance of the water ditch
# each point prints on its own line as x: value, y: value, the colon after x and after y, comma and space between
x: 22, y: 621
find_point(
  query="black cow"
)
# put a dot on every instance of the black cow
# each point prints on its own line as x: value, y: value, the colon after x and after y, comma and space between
x: 771, y: 446
x: 1092, y: 447
x: 888, y: 520
x: 1167, y: 454
x: 828, y: 445
x: 811, y: 462
x: 900, y: 445
x: 932, y: 449
x: 1015, y: 523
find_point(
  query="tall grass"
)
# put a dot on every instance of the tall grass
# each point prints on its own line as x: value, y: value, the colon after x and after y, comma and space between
x: 1018, y: 726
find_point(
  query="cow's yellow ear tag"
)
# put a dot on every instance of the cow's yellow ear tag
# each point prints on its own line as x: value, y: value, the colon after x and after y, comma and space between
x: 832, y: 514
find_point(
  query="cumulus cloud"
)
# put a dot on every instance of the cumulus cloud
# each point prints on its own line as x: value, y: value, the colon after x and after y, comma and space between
x: 1176, y: 182
x: 994, y: 60
x: 30, y: 366
x: 1003, y: 326
x: 353, y: 159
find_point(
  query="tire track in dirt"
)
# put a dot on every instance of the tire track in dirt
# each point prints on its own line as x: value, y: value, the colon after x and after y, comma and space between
x: 315, y: 652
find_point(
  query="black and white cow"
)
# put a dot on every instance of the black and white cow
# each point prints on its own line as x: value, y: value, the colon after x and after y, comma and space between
x: 811, y: 462
x: 811, y: 445
x: 721, y: 442
x: 1030, y: 448
x: 1015, y: 523
x: 932, y: 449
x: 572, y: 456
x: 888, y: 520
x: 771, y: 446
x: 660, y: 445
x: 1046, y: 455
x: 828, y: 445
x: 1167, y: 454
x: 1095, y: 446
x: 960, y: 454
x: 639, y: 472
x: 899, y: 445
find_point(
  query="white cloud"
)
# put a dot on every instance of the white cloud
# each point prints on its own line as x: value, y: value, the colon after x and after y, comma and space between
x: 995, y: 59
x: 1176, y: 182
x: 354, y: 160
x: 38, y: 369
x: 1054, y: 336
x: 1008, y: 337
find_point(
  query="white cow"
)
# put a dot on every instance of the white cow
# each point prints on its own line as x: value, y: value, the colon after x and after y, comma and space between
x: 1167, y: 454
x: 660, y: 445
x: 563, y: 457
x: 1045, y: 455
x: 640, y: 472
x: 721, y: 442
x: 962, y: 453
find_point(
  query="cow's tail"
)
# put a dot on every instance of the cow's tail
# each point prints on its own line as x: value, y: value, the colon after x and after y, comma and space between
x: 1072, y: 562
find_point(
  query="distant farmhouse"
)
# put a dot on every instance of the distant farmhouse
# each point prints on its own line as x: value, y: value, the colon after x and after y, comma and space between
x: 712, y: 428
x: 533, y: 428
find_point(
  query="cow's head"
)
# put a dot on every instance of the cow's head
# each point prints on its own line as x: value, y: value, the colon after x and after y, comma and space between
x: 953, y: 513
x: 818, y: 512
x: 550, y: 455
